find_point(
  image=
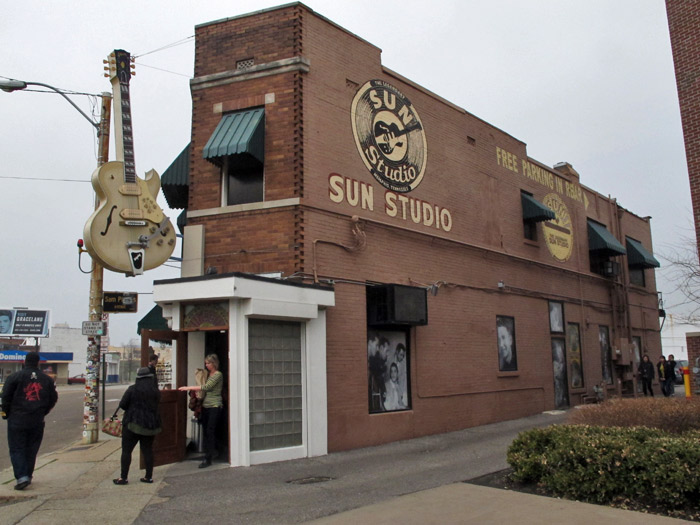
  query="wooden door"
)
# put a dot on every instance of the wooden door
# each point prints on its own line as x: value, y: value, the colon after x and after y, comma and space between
x: 169, y: 446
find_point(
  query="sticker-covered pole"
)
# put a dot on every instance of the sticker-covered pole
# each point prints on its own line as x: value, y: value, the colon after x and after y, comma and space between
x: 91, y: 418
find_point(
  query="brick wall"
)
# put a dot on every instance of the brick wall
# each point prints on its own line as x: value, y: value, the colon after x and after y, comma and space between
x: 454, y: 375
x: 684, y: 27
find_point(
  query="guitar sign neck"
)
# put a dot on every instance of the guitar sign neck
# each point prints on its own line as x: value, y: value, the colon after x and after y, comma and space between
x: 122, y: 104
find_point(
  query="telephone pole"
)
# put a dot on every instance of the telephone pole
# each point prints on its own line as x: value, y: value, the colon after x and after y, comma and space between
x: 91, y: 419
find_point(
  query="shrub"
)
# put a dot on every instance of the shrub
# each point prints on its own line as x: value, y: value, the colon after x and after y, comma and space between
x: 675, y: 415
x: 610, y: 464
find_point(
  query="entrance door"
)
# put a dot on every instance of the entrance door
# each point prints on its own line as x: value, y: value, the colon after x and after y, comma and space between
x: 169, y: 446
x: 216, y: 342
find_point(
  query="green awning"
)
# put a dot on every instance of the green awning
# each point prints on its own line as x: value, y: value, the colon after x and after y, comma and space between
x: 176, y: 180
x: 153, y: 320
x: 602, y: 242
x: 534, y: 210
x: 239, y: 133
x: 638, y: 256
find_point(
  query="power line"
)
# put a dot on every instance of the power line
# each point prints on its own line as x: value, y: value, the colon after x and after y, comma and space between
x: 164, y: 70
x: 167, y: 46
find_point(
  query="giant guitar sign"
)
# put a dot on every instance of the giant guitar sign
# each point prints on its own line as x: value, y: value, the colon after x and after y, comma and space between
x: 128, y: 232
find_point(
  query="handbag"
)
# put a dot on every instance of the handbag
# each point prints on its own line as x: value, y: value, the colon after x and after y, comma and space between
x: 112, y: 425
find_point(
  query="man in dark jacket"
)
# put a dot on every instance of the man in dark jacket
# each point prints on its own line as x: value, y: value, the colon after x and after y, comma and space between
x: 671, y: 375
x: 646, y: 374
x: 28, y: 395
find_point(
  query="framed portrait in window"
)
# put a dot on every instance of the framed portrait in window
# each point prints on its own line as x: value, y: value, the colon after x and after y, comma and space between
x: 388, y: 374
x: 556, y: 317
x: 561, y: 388
x: 573, y: 348
x: 605, y: 354
x: 505, y: 334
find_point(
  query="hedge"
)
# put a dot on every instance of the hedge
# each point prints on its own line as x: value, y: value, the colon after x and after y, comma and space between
x: 610, y: 464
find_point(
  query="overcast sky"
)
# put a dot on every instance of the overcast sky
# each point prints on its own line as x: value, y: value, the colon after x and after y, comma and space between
x: 590, y: 83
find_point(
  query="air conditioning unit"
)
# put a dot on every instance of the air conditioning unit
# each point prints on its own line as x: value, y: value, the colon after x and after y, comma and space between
x: 611, y: 269
x: 396, y: 304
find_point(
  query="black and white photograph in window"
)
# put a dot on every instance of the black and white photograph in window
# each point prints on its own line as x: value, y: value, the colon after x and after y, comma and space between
x: 388, y: 371
x: 605, y: 355
x: 505, y: 332
x: 561, y: 390
x: 573, y: 339
x: 556, y: 317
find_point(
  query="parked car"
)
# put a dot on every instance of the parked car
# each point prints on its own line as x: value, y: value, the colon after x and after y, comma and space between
x: 80, y: 378
x: 679, y: 373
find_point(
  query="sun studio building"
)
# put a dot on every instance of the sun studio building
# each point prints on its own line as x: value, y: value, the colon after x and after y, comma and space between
x: 372, y: 263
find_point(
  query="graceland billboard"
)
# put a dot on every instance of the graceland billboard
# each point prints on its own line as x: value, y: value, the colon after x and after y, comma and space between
x: 24, y: 323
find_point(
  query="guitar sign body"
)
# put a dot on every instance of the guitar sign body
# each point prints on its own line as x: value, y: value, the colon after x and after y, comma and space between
x: 127, y: 217
x: 128, y: 232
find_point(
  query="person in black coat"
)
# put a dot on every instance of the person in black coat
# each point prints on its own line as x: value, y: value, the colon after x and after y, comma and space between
x: 646, y: 374
x: 27, y: 396
x: 140, y: 424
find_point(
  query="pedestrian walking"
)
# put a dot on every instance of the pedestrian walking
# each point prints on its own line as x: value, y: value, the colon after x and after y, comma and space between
x: 140, y: 424
x: 646, y: 374
x: 671, y: 375
x: 662, y: 368
x: 28, y: 395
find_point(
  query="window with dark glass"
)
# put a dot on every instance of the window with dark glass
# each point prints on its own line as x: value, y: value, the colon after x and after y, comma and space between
x: 244, y: 182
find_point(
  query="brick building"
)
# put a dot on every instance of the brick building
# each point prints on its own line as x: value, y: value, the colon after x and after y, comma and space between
x: 373, y: 263
x: 684, y: 28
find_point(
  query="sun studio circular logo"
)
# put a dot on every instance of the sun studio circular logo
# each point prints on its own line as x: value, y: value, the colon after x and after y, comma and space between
x: 559, y: 232
x: 389, y: 136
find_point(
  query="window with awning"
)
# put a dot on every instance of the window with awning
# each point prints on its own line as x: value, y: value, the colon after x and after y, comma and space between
x: 638, y: 256
x: 153, y: 320
x: 602, y: 247
x: 638, y: 260
x: 533, y: 212
x: 175, y: 181
x: 239, y: 133
x: 601, y: 242
x: 237, y: 146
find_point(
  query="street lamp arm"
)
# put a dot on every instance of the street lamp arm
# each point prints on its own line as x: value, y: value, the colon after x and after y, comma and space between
x: 17, y: 85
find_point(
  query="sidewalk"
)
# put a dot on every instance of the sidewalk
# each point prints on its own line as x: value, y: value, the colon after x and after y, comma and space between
x: 75, y: 485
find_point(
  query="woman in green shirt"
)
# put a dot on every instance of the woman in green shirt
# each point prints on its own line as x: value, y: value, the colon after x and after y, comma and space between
x: 212, y: 406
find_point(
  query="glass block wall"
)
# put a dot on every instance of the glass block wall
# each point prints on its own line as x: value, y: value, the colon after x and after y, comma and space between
x: 274, y: 368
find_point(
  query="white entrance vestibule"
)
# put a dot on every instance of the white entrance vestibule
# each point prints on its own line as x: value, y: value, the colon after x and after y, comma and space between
x: 277, y: 399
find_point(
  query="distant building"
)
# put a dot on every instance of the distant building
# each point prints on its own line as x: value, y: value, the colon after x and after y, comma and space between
x: 63, y: 338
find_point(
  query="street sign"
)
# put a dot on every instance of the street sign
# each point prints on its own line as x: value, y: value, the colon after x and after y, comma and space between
x: 93, y: 327
x: 120, y: 302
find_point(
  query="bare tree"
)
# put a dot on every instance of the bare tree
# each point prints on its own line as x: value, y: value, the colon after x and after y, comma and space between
x: 681, y: 271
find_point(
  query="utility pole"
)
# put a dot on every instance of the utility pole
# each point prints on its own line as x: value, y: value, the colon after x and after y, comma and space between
x: 91, y: 419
